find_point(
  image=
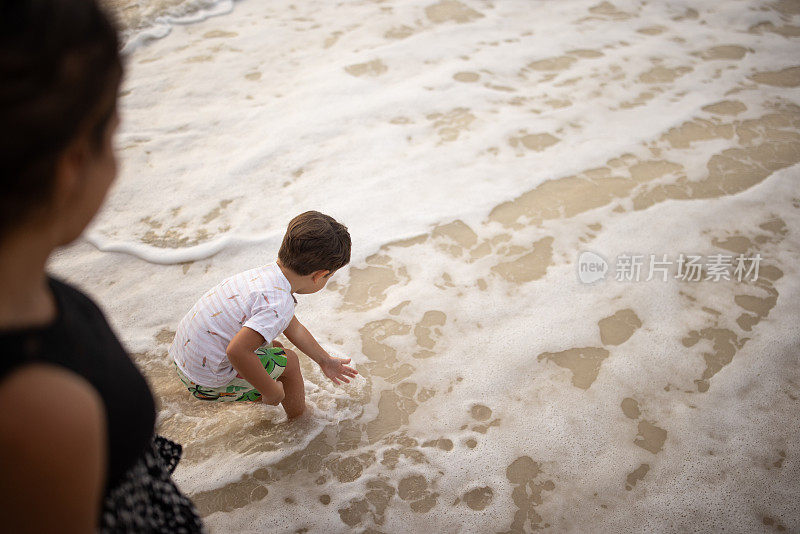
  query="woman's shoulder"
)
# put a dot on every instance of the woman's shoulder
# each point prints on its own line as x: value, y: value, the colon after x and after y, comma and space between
x: 28, y: 386
x: 42, y: 400
x: 52, y: 439
x: 47, y: 406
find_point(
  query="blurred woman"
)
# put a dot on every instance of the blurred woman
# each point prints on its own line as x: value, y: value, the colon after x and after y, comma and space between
x: 78, y: 451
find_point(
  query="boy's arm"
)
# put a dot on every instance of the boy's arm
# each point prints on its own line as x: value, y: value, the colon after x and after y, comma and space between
x: 334, y: 368
x: 241, y: 353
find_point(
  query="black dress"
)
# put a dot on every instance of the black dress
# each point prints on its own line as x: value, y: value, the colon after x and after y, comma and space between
x: 140, y: 495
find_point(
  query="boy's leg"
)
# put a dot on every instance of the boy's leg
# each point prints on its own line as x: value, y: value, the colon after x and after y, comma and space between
x: 238, y: 389
x: 294, y: 401
x: 202, y: 392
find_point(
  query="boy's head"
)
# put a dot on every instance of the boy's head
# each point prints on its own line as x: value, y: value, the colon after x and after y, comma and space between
x: 315, y: 242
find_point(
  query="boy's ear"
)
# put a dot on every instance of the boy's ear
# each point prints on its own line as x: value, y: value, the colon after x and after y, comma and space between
x: 316, y: 275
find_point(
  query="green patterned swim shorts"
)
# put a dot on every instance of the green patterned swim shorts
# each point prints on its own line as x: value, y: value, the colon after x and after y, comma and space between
x: 238, y: 389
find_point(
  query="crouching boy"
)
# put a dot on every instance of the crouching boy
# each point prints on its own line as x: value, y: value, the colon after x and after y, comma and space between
x: 225, y: 348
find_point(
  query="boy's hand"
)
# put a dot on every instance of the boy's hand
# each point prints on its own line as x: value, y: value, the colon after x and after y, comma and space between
x: 275, y: 396
x: 335, y: 369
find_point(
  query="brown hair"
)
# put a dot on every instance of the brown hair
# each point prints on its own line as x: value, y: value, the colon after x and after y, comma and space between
x: 314, y: 242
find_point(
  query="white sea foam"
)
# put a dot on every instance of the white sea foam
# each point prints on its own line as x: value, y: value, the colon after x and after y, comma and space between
x: 155, y: 19
x: 234, y: 124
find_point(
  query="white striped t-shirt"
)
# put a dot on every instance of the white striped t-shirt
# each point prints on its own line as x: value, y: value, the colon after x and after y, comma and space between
x: 260, y: 299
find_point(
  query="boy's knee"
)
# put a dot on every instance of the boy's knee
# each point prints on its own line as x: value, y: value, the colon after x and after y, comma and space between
x: 292, y: 370
x: 291, y: 359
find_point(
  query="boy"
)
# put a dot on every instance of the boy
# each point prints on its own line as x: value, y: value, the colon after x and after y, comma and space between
x: 224, y: 348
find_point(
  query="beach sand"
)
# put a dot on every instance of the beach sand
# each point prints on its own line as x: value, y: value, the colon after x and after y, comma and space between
x: 475, y: 150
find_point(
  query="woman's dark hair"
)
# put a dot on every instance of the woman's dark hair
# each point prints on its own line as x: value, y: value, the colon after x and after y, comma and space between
x: 60, y: 69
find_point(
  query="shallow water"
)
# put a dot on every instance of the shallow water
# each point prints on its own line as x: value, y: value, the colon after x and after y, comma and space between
x: 474, y: 149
